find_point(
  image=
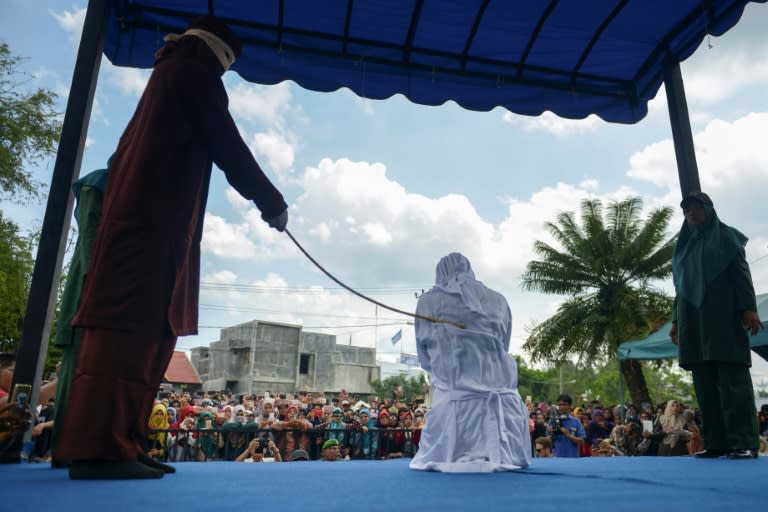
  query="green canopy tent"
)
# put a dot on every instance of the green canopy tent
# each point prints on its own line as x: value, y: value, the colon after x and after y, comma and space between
x: 659, y: 346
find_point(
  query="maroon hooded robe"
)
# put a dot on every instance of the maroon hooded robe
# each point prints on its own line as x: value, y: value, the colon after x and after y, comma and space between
x: 143, y: 282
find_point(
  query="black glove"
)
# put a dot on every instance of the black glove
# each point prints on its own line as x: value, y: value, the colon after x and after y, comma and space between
x: 279, y: 222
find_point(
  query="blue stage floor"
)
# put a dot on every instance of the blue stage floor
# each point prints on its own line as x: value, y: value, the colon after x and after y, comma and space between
x: 559, y: 485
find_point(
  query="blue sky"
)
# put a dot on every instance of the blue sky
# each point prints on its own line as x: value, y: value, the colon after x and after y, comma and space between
x: 380, y: 190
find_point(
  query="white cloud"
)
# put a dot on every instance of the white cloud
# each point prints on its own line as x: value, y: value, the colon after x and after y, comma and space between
x: 226, y: 240
x: 266, y: 104
x: 368, y: 230
x: 550, y: 123
x: 130, y: 81
x: 655, y: 164
x: 716, y: 75
x: 277, y: 149
x: 713, y: 75
x: 732, y: 163
x: 220, y: 277
x: 70, y: 21
x: 726, y: 152
x: 377, y: 233
x: 228, y: 299
x: 236, y: 200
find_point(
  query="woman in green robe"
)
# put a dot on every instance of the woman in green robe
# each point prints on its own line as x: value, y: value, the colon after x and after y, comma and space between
x: 89, y: 199
x: 713, y: 314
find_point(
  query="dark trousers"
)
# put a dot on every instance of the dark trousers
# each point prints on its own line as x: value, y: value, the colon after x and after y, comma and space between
x: 115, y: 381
x: 727, y: 404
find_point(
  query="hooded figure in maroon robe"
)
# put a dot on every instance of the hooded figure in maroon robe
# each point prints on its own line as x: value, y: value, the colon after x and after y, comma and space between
x: 142, y: 287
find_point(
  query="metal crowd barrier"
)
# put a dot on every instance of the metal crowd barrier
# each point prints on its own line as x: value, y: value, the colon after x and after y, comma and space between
x: 227, y: 443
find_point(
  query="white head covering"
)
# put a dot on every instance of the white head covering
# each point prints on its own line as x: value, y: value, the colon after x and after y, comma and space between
x: 459, y: 297
x: 235, y: 410
x: 454, y: 276
x: 220, y: 49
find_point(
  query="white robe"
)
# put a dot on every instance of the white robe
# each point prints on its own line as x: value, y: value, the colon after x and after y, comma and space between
x: 477, y: 422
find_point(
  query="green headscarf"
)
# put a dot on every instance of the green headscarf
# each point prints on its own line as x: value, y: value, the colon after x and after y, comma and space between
x: 207, y: 441
x: 702, y: 253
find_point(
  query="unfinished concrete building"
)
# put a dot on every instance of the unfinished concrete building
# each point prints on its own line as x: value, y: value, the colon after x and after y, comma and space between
x: 258, y: 356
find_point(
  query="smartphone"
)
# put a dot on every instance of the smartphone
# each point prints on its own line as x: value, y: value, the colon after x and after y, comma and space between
x: 21, y: 394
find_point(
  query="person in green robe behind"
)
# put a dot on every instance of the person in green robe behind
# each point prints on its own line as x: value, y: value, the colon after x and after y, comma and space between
x: 714, y: 312
x: 89, y: 199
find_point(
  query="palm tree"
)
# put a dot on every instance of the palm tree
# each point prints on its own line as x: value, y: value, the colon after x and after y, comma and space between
x: 605, y: 267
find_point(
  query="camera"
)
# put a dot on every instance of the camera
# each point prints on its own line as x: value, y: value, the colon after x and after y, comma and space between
x: 556, y: 420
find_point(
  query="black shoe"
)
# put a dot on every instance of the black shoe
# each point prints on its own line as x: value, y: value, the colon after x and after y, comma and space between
x: 59, y: 464
x: 154, y: 464
x: 742, y: 455
x: 111, y: 470
x: 711, y: 453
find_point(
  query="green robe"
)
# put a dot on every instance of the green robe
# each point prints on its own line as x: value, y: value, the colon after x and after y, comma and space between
x: 89, y: 196
x: 714, y: 332
x: 714, y: 289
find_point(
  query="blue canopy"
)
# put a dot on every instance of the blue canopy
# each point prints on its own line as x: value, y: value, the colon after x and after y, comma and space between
x: 575, y: 58
x: 605, y: 57
x: 659, y: 346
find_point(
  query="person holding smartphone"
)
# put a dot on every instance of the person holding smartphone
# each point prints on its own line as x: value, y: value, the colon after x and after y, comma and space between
x: 260, y: 450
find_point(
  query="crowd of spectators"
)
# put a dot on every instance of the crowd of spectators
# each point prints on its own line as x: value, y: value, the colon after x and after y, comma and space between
x: 345, y: 427
x: 312, y: 426
x: 282, y: 427
x: 594, y: 429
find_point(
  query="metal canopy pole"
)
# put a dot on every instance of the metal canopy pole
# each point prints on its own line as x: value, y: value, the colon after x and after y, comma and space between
x: 30, y: 357
x: 687, y: 169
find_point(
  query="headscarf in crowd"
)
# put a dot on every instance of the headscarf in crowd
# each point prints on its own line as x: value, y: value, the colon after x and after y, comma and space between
x: 672, y: 420
x: 171, y: 415
x: 337, y: 424
x: 703, y: 252
x: 207, y: 442
x: 234, y: 418
x: 158, y: 420
x: 382, y: 414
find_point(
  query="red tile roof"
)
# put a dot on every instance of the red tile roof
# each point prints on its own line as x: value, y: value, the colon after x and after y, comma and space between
x: 180, y: 370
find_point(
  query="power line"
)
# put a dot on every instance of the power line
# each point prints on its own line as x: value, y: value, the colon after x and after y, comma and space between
x: 243, y: 309
x: 311, y: 326
x: 308, y: 290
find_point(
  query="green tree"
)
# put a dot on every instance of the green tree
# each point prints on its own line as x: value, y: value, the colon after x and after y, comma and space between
x: 29, y: 129
x: 412, y: 387
x: 29, y: 132
x: 540, y: 385
x: 605, y: 268
x: 16, y: 264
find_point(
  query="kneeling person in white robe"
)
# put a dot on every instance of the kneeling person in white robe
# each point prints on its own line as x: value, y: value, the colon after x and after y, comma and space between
x: 477, y: 422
